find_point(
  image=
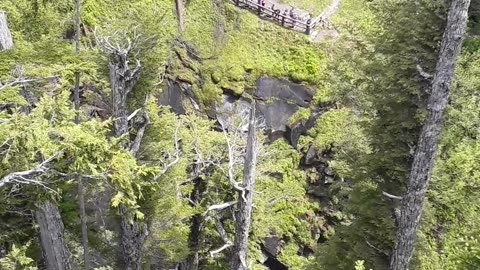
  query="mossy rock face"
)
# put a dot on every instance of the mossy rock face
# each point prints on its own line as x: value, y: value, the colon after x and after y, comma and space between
x: 236, y: 88
x: 236, y: 73
x: 301, y: 114
x: 186, y: 77
x: 216, y: 76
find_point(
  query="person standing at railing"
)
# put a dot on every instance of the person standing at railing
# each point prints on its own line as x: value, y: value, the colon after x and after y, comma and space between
x: 308, y: 18
x: 293, y: 16
x: 276, y: 12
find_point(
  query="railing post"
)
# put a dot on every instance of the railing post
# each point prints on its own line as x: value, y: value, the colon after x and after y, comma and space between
x: 237, y: 2
x: 309, y: 26
x: 283, y: 20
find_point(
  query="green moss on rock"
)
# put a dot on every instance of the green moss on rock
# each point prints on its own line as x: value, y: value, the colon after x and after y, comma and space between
x: 301, y: 114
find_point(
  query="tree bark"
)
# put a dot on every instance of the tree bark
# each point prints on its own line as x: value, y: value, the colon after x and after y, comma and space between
x: 54, y: 248
x: 179, y: 9
x: 76, y: 100
x: 6, y: 41
x: 413, y: 201
x: 243, y: 213
x: 133, y: 234
x: 76, y: 93
x: 122, y: 79
x: 83, y: 224
x: 194, y: 238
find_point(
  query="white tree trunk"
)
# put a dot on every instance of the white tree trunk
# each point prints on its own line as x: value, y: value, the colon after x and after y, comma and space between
x: 413, y: 201
x: 6, y: 41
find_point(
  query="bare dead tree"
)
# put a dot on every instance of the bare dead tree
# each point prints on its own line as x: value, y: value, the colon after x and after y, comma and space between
x: 243, y: 214
x: 6, y: 41
x: 423, y: 162
x: 123, y: 78
x: 239, y: 125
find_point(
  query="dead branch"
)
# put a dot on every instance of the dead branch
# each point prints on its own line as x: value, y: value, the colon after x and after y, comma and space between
x: 423, y: 73
x: 141, y: 130
x: 176, y: 154
x: 390, y: 196
x: 20, y: 81
x: 27, y: 177
x: 219, y: 206
x: 223, y: 234
x: 222, y: 248
x: 376, y: 249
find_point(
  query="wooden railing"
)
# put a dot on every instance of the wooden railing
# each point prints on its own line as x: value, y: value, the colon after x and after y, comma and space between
x: 276, y: 15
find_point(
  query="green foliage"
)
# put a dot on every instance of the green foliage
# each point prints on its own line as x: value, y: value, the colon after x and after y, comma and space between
x: 16, y: 259
x: 300, y: 115
x: 329, y: 132
x: 281, y: 206
x: 455, y: 180
x: 359, y: 265
x: 369, y: 74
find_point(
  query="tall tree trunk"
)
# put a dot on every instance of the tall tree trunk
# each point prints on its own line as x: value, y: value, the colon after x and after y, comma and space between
x: 76, y: 100
x: 54, y: 248
x: 413, y: 201
x: 6, y: 41
x: 83, y: 224
x: 243, y: 215
x: 196, y: 223
x: 76, y: 93
x: 133, y: 232
x: 179, y: 8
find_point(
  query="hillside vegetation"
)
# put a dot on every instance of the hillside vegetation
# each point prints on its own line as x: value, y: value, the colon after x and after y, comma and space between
x: 164, y: 182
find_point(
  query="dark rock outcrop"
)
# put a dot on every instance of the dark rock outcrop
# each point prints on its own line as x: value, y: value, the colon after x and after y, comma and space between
x: 279, y: 99
x: 174, y: 96
x: 282, y: 89
x: 271, y: 245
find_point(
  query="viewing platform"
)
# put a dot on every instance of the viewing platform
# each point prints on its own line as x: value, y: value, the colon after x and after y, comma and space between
x: 289, y: 17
